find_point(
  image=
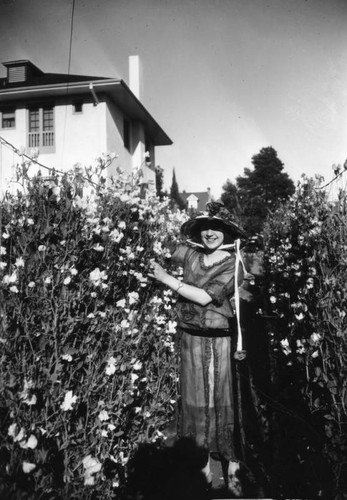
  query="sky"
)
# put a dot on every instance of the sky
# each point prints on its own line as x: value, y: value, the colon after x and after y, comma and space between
x: 223, y: 78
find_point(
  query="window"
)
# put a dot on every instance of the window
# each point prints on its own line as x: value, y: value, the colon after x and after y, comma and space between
x: 78, y: 107
x: 41, y: 128
x: 8, y: 118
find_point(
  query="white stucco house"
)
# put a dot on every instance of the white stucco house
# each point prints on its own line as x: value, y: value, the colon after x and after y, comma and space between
x: 73, y: 119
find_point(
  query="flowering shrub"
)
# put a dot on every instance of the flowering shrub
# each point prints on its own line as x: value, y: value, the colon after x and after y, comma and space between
x: 87, y: 359
x: 306, y: 269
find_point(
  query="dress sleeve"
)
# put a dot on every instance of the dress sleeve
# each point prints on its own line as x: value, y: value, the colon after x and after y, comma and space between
x: 221, y: 284
x: 179, y: 254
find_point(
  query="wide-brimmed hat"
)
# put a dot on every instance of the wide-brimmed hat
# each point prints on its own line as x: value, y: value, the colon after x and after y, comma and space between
x: 217, y: 217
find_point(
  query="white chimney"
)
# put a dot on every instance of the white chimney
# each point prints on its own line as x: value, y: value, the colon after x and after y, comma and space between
x: 135, y: 76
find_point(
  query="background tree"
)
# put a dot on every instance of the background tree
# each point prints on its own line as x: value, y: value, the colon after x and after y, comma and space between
x: 230, y: 198
x: 258, y: 191
x: 176, y: 200
x: 159, y: 182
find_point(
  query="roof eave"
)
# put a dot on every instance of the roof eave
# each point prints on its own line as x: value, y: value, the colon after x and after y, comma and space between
x: 119, y: 92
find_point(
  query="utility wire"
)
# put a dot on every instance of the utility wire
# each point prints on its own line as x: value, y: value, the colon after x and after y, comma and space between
x: 68, y: 73
x: 71, y: 33
x: 51, y: 170
x: 32, y: 160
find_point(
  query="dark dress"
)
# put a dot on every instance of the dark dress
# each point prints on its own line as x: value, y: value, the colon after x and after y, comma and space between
x: 206, y: 383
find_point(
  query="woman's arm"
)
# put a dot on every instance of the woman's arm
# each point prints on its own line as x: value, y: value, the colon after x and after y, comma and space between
x: 193, y: 293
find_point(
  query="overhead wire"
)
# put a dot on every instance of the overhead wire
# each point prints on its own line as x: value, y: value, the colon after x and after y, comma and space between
x: 68, y: 76
x: 51, y: 170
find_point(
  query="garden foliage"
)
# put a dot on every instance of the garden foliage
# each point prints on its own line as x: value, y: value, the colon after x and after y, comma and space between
x: 306, y: 269
x: 87, y: 362
x: 88, y: 368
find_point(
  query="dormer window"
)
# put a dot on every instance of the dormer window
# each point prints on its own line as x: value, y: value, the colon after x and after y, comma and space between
x: 16, y: 74
x: 21, y: 71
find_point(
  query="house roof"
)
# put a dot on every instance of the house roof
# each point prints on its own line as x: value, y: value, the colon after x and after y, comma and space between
x: 203, y: 197
x: 50, y: 85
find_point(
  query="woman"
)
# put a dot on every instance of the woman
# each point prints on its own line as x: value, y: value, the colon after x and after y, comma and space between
x: 204, y: 313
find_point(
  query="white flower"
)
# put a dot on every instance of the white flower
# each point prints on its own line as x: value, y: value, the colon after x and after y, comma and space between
x: 121, y: 303
x: 157, y: 247
x: 122, y: 224
x: 5, y: 237
x: 160, y: 320
x: 91, y: 316
x: 2, y: 250
x: 285, y: 346
x: 273, y: 299
x: 19, y: 262
x: 137, y: 365
x: 91, y: 466
x: 98, y: 248
x: 12, y: 430
x: 30, y: 443
x: 69, y: 400
x: 20, y: 436
x: 315, y: 354
x: 31, y: 401
x: 103, y: 415
x: 171, y: 327
x: 30, y: 221
x: 67, y: 280
x: 3, y: 265
x: 111, y: 366
x: 42, y: 248
x: 48, y: 280
x: 133, y: 297
x: 134, y: 377
x: 14, y: 289
x: 97, y: 276
x: 31, y: 284
x: 111, y: 427
x: 315, y: 337
x: 73, y: 271
x: 156, y: 300
x: 116, y: 236
x: 124, y: 323
x: 28, y: 467
x: 67, y: 357
x: 10, y: 278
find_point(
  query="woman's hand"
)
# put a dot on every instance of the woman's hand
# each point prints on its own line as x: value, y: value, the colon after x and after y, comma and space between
x: 190, y: 292
x: 158, y: 272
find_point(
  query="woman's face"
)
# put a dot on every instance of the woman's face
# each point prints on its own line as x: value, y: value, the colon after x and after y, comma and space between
x: 212, y: 238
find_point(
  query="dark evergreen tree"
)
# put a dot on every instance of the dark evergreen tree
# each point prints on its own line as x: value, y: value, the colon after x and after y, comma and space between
x: 159, y: 182
x: 258, y: 191
x: 176, y: 200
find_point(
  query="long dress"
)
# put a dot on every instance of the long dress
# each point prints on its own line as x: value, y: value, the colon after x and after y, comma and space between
x: 206, y: 381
